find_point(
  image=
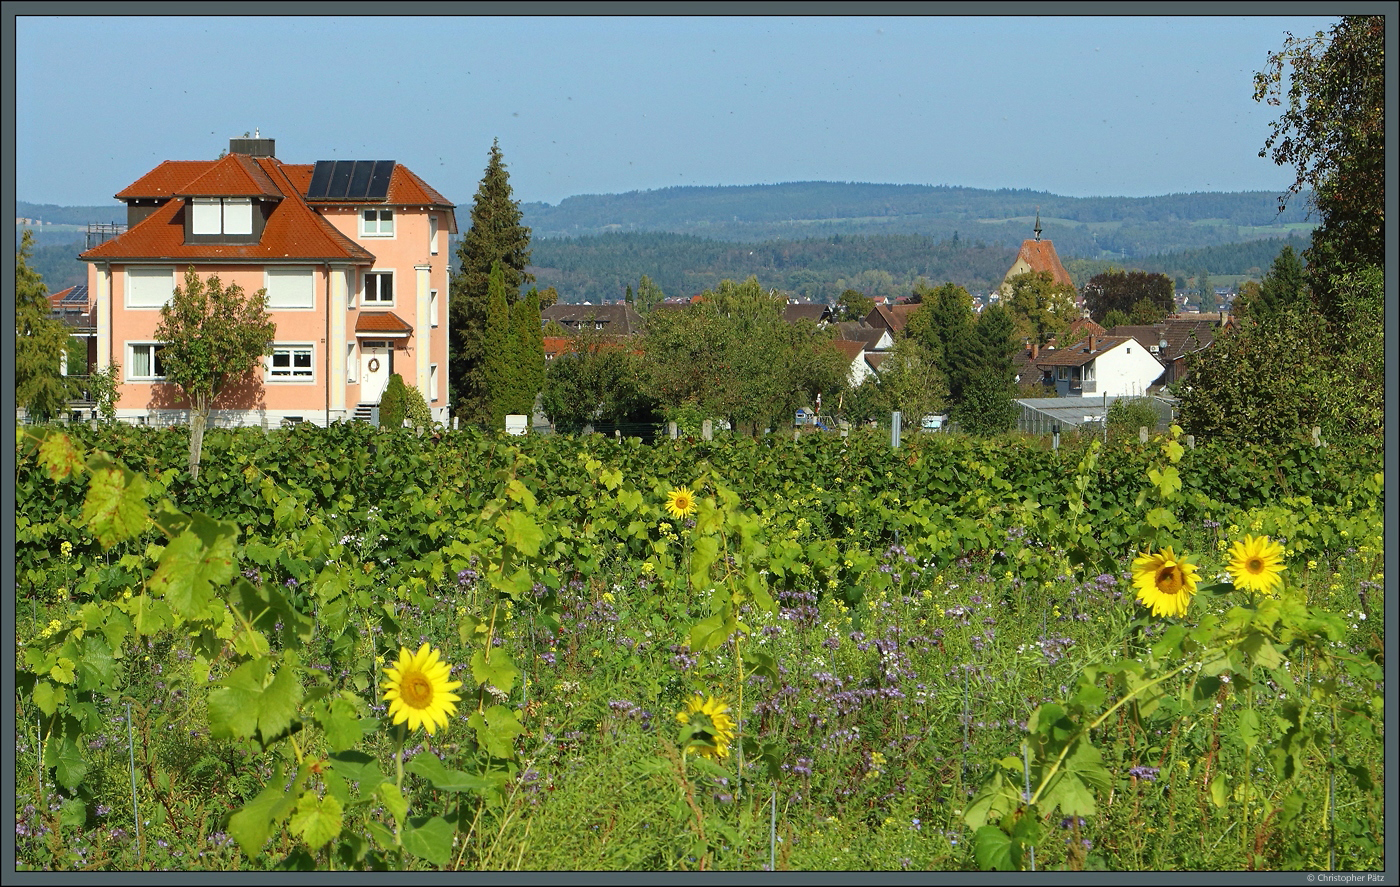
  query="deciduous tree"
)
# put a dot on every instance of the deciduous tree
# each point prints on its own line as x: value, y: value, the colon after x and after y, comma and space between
x: 1123, y: 290
x: 214, y: 335
x: 1040, y: 307
x: 1332, y: 132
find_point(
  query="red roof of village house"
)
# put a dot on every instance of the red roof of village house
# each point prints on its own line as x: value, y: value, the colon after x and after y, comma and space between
x: 165, y: 179
x: 235, y: 175
x: 1040, y: 255
x: 294, y: 231
x: 850, y: 350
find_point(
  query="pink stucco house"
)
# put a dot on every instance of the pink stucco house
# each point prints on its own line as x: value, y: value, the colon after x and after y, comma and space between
x: 354, y: 258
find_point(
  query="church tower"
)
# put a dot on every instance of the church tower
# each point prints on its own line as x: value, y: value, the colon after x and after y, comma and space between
x: 1036, y: 255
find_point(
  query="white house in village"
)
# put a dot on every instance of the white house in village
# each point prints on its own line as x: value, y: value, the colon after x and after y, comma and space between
x: 1117, y: 366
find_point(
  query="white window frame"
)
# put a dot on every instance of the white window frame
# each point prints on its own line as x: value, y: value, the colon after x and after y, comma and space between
x: 432, y: 235
x: 352, y: 364
x: 238, y: 215
x: 433, y: 307
x: 131, y: 349
x: 206, y: 215
x: 366, y: 301
x: 306, y: 296
x: 376, y: 229
x: 152, y: 275
x: 291, y: 376
x: 433, y: 382
x: 221, y: 215
x: 1063, y: 374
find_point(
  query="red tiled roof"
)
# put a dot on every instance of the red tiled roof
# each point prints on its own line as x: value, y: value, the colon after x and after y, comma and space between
x: 557, y: 345
x: 293, y: 232
x: 850, y: 350
x: 236, y: 175
x: 893, y: 317
x: 165, y: 179
x: 1040, y: 255
x: 382, y: 323
x: 1079, y: 354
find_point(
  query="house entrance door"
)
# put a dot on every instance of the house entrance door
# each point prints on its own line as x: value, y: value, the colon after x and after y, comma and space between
x: 376, y: 365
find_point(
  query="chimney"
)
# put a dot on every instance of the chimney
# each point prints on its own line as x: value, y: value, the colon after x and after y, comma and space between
x: 1092, y: 342
x: 1035, y: 350
x: 253, y: 147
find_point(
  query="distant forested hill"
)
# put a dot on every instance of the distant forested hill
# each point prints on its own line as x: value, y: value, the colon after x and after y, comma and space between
x: 601, y: 267
x: 816, y: 239
x: 800, y: 210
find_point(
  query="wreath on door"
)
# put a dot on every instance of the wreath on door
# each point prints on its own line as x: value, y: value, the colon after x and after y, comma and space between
x: 374, y: 364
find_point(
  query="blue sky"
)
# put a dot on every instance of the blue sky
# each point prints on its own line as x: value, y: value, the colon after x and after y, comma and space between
x: 1080, y: 106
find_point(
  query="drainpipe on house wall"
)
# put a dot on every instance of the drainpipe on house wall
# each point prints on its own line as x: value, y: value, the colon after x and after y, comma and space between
x: 326, y: 351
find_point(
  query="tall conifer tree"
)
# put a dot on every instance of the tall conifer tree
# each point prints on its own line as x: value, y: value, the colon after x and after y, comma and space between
x: 495, y: 236
x: 497, y: 353
x: 40, y: 342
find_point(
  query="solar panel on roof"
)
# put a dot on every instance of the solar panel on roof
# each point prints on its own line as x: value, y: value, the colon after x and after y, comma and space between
x: 359, y: 178
x: 77, y: 294
x: 379, y: 184
x: 340, y: 179
x: 320, y: 179
x: 350, y: 179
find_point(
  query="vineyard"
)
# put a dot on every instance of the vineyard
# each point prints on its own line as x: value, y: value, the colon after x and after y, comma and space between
x: 347, y: 649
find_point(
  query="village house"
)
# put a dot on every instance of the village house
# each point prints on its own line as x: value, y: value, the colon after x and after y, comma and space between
x: 353, y: 257
x: 1100, y: 365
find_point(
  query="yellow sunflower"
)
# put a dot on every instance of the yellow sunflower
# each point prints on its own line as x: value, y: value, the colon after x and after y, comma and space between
x: 419, y: 690
x: 1164, y: 582
x: 680, y: 503
x: 713, y: 728
x: 1255, y: 564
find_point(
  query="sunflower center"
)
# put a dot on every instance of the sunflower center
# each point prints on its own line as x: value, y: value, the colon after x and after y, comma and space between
x: 1169, y: 580
x: 1254, y: 565
x: 416, y: 691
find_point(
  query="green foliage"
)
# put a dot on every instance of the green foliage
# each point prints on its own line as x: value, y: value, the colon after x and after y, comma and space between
x: 416, y: 409
x: 598, y: 382
x: 1274, y: 378
x: 1123, y: 290
x: 985, y: 402
x: 40, y: 343
x: 497, y: 364
x: 733, y: 356
x: 526, y: 348
x: 812, y: 578
x: 1128, y: 414
x: 496, y: 237
x: 1041, y: 307
x: 1284, y: 288
x: 393, y: 406
x: 853, y: 305
x: 1332, y: 132
x: 909, y: 381
x: 649, y: 295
